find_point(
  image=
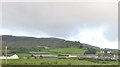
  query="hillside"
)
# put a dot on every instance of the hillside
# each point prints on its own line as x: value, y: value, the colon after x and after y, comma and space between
x: 32, y: 42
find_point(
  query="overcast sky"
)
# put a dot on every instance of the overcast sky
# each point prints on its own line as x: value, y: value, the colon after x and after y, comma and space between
x: 94, y: 23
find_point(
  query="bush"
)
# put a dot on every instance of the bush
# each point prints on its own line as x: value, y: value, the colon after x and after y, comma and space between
x: 55, y: 62
x: 69, y: 64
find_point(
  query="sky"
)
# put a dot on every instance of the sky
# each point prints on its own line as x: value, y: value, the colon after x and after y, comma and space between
x: 94, y: 23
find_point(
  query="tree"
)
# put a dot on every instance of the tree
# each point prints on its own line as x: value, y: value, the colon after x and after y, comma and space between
x: 81, y: 46
x: 90, y: 51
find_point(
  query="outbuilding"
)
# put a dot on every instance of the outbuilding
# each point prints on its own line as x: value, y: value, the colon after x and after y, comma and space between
x: 44, y: 56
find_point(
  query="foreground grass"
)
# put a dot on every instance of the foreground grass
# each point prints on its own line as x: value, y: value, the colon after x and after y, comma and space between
x: 46, y: 61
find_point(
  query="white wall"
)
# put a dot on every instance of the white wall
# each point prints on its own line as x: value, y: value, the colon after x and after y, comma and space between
x: 11, y: 57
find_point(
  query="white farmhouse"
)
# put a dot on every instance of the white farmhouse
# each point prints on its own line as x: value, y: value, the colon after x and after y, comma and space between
x: 11, y: 57
x: 72, y: 56
x: 115, y: 57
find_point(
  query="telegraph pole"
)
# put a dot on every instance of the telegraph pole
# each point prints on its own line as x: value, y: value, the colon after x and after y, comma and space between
x: 6, y: 54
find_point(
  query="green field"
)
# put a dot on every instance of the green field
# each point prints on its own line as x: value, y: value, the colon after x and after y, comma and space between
x: 32, y: 52
x: 75, y: 51
x: 23, y: 54
x: 49, y: 61
x: 68, y: 51
x: 58, y: 52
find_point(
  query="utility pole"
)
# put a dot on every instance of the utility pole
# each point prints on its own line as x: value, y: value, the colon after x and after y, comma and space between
x: 6, y: 54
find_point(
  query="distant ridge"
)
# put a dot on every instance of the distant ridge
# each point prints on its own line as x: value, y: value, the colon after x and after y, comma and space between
x: 29, y: 42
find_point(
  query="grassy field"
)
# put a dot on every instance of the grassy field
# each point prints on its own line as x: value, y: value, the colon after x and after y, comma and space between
x: 23, y: 54
x: 68, y: 51
x: 75, y: 51
x: 32, y: 52
x: 49, y: 61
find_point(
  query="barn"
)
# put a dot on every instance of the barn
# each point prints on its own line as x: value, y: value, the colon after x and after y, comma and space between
x: 43, y: 56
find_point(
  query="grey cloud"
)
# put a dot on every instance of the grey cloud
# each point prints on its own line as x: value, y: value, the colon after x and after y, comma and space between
x: 59, y: 19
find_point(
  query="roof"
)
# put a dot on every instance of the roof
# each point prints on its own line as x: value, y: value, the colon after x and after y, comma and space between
x: 9, y: 57
x: 72, y: 56
x: 90, y: 55
x: 43, y: 55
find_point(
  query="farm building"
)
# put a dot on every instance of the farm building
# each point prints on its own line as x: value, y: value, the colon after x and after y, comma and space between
x: 9, y: 57
x: 89, y: 56
x: 103, y: 56
x: 44, y: 56
x: 113, y: 57
x: 67, y: 56
x: 105, y: 51
x: 72, y: 56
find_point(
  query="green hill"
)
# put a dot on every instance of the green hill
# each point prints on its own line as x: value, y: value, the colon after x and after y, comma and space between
x: 32, y: 42
x: 18, y: 44
x: 55, y: 45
